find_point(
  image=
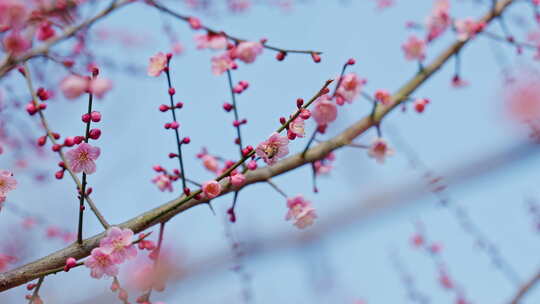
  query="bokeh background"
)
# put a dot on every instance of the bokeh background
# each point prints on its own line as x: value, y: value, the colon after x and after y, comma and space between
x: 347, y: 261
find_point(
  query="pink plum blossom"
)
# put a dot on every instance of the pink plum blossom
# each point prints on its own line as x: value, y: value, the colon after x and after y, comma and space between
x: 325, y: 111
x: 247, y: 51
x: 414, y: 48
x: 211, y: 189
x: 467, y: 28
x: 222, y: 63
x: 157, y: 64
x: 439, y: 20
x: 324, y: 166
x: 7, y: 182
x: 379, y: 150
x: 15, y: 43
x: 45, y: 31
x: 301, y: 211
x: 82, y: 158
x: 211, y: 40
x: 349, y: 88
x: 118, y: 244
x: 272, y: 149
x: 296, y: 127
x: 99, y: 86
x: 210, y: 163
x: 74, y: 86
x: 13, y: 14
x: 5, y: 260
x: 163, y: 182
x: 100, y: 262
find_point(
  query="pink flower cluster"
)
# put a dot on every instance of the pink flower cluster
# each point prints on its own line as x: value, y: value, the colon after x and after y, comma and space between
x: 301, y: 211
x: 7, y: 183
x: 74, y: 86
x: 246, y: 51
x: 113, y: 250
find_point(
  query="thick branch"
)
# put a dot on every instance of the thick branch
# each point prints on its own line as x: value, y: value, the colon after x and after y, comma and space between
x: 164, y: 212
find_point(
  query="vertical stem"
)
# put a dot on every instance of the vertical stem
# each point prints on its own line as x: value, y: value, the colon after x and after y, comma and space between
x: 177, y: 134
x: 82, y: 195
x: 311, y: 139
x: 235, y: 111
x: 35, y: 295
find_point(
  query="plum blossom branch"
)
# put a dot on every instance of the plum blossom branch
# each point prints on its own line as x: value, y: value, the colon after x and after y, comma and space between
x: 82, y: 193
x: 52, y: 138
x: 196, y: 24
x: 168, y: 210
x: 9, y: 61
x: 372, y: 205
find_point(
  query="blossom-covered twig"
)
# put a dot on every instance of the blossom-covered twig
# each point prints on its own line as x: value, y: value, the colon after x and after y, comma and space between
x: 9, y: 61
x: 168, y: 210
x: 50, y: 135
x: 195, y: 24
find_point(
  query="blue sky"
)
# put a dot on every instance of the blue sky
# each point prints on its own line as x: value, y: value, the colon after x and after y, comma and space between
x: 458, y: 125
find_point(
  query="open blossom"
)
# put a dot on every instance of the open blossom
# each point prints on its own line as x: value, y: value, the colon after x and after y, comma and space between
x: 13, y: 14
x: 7, y: 182
x: 325, y: 111
x: 74, y: 86
x: 349, y: 88
x: 379, y: 150
x: 82, y: 158
x: 99, y: 86
x: 222, y: 63
x: 272, y: 149
x: 45, y: 31
x: 157, y: 64
x: 100, y: 262
x: 211, y: 40
x: 324, y: 166
x: 210, y: 163
x: 522, y: 98
x: 163, y: 182
x: 414, y: 48
x: 296, y: 127
x: 301, y: 211
x: 468, y: 28
x: 247, y: 51
x: 118, y: 243
x: 5, y: 260
x: 15, y: 43
x: 439, y: 20
x: 211, y: 189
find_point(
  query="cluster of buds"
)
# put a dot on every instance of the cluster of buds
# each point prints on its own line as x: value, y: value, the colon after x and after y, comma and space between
x: 165, y: 108
x: 241, y: 87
